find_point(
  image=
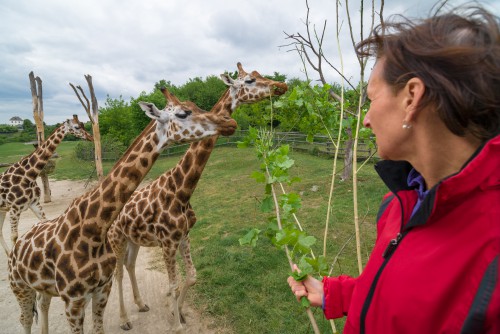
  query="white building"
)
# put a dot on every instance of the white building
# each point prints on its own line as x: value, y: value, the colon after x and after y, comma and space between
x: 16, y: 121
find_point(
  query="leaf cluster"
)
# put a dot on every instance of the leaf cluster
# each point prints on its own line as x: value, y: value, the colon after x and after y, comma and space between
x: 281, y: 229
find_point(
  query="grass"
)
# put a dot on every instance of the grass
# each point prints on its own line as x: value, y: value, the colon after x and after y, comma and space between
x: 245, y: 288
x: 13, y: 152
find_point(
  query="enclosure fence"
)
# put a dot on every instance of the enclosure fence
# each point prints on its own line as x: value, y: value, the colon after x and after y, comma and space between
x: 320, y: 145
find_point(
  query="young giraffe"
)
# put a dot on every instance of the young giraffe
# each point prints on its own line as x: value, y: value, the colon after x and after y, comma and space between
x: 18, y: 188
x: 160, y: 214
x: 69, y: 256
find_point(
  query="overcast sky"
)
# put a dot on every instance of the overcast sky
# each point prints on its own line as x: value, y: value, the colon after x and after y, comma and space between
x: 128, y: 45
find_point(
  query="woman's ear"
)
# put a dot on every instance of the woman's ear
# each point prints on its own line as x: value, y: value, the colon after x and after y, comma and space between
x: 414, y: 91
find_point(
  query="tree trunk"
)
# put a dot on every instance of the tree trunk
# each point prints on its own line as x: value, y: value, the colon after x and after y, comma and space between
x: 36, y: 95
x: 47, y: 198
x: 98, y: 153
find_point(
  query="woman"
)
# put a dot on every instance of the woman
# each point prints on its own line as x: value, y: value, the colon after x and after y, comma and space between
x: 435, y: 111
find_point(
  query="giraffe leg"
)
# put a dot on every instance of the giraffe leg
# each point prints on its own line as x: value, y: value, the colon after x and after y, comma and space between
x: 132, y: 252
x: 170, y: 263
x: 75, y: 313
x: 26, y: 297
x: 2, y: 239
x: 119, y: 248
x: 44, y: 304
x: 37, y: 209
x: 185, y: 248
x: 99, y: 301
x: 15, y: 214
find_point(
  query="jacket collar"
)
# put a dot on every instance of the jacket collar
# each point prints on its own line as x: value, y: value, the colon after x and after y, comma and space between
x: 484, y: 163
x: 481, y: 170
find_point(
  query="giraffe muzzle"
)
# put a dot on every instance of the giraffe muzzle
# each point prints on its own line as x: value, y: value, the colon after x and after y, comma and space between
x: 279, y: 88
x: 228, y: 126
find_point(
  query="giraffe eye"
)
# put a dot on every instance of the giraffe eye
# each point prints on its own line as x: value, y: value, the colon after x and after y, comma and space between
x: 249, y: 81
x: 184, y: 114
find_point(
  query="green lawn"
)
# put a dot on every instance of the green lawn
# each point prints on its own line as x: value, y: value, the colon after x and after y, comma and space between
x: 245, y: 289
x: 13, y: 152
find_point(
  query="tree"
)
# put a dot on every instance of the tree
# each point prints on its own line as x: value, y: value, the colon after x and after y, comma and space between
x: 28, y: 126
x: 115, y: 120
x: 310, y: 48
x: 204, y: 93
x: 94, y: 119
x: 37, y: 98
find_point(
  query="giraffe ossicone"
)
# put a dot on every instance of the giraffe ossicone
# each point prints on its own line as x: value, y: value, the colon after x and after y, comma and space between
x: 160, y: 214
x: 18, y: 188
x: 69, y: 256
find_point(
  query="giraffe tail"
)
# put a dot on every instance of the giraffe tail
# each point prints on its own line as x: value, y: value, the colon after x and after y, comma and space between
x: 35, y: 309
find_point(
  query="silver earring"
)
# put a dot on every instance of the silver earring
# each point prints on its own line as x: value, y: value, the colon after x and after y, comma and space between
x: 406, y: 126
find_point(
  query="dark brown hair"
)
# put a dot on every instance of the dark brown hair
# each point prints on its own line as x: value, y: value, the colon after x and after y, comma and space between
x: 456, y: 55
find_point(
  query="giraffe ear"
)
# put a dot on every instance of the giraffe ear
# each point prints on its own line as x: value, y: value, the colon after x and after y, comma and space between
x: 227, y: 79
x: 150, y: 110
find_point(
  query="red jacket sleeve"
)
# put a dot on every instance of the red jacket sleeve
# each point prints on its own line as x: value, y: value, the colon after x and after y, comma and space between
x: 337, y: 293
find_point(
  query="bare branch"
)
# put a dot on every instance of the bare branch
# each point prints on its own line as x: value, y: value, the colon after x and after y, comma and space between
x: 33, y: 91
x: 381, y: 13
x: 94, y: 119
x: 92, y: 96
x: 86, y: 105
x: 39, y: 96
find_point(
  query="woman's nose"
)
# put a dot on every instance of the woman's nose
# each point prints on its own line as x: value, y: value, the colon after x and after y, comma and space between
x: 366, y: 121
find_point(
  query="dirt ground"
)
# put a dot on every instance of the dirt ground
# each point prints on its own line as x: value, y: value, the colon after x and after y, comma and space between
x: 153, y: 282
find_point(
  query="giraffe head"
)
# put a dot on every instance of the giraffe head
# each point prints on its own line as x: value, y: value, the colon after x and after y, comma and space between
x: 76, y: 128
x: 251, y: 87
x: 183, y: 122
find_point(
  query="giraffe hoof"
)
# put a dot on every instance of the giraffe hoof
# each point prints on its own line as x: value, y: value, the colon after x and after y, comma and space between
x: 126, y: 326
x: 145, y: 308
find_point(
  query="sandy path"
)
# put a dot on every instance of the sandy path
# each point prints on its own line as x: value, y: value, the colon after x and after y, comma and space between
x: 157, y: 320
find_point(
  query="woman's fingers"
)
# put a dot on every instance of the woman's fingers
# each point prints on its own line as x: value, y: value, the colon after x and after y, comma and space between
x: 298, y: 289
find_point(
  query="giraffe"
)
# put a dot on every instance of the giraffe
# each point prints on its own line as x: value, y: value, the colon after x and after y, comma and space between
x: 69, y: 256
x: 18, y: 188
x: 160, y: 214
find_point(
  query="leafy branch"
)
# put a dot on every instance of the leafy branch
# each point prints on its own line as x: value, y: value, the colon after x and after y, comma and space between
x: 283, y: 228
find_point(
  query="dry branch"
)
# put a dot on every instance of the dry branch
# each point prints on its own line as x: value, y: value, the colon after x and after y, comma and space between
x: 92, y: 111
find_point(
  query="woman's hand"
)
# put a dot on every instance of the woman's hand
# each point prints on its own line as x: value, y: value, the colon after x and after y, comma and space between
x: 310, y: 288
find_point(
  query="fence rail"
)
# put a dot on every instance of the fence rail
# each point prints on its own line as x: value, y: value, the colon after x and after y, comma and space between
x: 320, y: 146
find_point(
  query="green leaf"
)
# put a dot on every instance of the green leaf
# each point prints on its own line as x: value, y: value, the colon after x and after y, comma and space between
x: 305, y: 302
x: 304, y: 243
x: 242, y: 144
x: 259, y: 176
x: 278, y: 104
x: 299, y: 277
x: 250, y: 238
x: 305, y: 266
x: 267, y: 204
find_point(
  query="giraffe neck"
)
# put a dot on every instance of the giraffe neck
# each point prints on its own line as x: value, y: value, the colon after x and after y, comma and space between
x: 188, y: 171
x: 34, y: 163
x: 100, y: 207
